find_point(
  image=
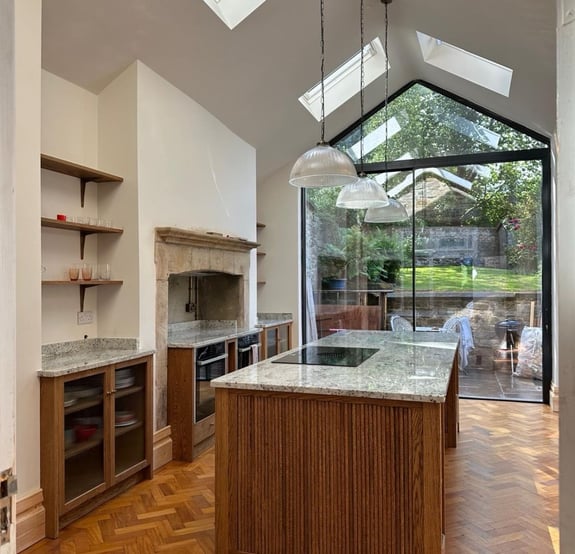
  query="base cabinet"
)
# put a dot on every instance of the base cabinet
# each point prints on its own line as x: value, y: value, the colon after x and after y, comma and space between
x: 341, y: 474
x: 276, y: 339
x: 191, y: 398
x: 96, y: 435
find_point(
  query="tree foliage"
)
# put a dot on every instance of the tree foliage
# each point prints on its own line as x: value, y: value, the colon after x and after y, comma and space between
x: 502, y: 196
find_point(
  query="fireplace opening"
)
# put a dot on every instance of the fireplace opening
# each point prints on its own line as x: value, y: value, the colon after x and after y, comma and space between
x: 205, y: 295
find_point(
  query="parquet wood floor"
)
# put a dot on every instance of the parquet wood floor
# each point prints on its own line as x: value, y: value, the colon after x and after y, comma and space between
x: 501, y: 495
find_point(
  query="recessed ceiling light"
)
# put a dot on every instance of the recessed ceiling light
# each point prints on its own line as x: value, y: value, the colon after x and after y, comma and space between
x: 232, y: 12
x: 344, y: 82
x: 464, y: 64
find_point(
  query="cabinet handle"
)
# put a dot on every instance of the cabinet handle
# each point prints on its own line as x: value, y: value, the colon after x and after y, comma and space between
x: 110, y: 392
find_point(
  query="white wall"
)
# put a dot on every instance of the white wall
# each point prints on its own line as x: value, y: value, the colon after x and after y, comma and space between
x: 565, y: 231
x: 7, y: 243
x: 278, y: 209
x: 28, y: 259
x: 119, y: 308
x: 69, y: 131
x: 69, y: 121
x: 194, y: 173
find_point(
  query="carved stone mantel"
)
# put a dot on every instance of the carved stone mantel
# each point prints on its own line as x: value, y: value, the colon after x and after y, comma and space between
x: 185, y: 237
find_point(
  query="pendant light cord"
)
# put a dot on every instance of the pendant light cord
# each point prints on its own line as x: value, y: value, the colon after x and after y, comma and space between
x: 386, y: 92
x: 361, y: 83
x: 322, y: 43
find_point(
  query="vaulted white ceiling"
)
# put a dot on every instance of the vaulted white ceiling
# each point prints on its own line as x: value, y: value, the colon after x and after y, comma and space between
x: 250, y: 77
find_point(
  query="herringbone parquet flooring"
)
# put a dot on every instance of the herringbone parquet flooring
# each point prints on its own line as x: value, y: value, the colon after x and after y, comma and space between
x: 501, y: 495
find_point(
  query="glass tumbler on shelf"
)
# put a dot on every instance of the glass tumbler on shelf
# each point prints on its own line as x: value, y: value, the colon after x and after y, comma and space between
x: 86, y: 272
x: 74, y: 272
x: 104, y: 272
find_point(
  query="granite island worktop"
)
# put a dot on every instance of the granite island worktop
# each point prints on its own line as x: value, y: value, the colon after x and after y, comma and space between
x: 350, y: 459
x: 64, y: 358
x: 407, y: 366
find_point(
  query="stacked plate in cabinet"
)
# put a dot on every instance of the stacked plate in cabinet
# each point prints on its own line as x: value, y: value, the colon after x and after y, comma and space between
x: 125, y: 418
x: 124, y: 378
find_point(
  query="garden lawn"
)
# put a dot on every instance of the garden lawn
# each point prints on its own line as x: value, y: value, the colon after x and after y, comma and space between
x: 462, y: 278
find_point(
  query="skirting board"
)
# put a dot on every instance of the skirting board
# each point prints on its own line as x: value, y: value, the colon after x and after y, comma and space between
x: 30, y: 520
x: 162, y: 447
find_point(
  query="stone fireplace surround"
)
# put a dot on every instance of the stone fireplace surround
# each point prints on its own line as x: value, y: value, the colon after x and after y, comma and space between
x: 182, y: 251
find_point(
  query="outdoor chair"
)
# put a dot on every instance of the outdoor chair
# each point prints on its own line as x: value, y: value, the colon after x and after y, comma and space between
x: 461, y: 326
x: 399, y: 323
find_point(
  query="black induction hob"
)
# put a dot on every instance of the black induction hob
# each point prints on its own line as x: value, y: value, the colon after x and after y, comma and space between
x: 328, y: 355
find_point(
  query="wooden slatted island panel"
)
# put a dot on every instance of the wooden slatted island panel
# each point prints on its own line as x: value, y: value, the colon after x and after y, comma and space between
x: 337, y: 459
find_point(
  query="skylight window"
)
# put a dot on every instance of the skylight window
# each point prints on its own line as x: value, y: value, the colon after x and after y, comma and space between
x: 466, y: 65
x: 374, y: 139
x: 472, y: 130
x: 232, y: 12
x: 344, y: 82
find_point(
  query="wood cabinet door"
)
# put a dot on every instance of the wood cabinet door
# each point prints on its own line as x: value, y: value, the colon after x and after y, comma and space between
x: 130, y: 418
x: 82, y: 437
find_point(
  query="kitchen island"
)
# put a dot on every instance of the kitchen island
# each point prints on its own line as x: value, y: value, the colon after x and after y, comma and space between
x: 331, y: 458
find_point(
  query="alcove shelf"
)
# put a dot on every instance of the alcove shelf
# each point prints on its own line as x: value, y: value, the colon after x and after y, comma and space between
x: 84, y: 229
x: 85, y: 174
x: 83, y: 286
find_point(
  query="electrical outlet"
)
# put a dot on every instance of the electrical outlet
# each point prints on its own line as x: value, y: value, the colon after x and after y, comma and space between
x: 85, y: 318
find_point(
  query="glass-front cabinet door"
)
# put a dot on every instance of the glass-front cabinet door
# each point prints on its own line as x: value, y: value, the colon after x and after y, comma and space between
x: 83, y: 435
x: 271, y: 342
x: 283, y: 338
x: 129, y: 415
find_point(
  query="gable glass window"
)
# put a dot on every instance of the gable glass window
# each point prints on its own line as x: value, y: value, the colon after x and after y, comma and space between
x: 474, y: 254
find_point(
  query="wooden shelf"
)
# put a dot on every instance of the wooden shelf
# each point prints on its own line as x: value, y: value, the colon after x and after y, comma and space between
x: 83, y: 404
x: 123, y: 429
x: 83, y: 228
x: 120, y: 393
x: 91, y: 283
x: 85, y: 174
x: 83, y: 286
x: 260, y: 226
x: 79, y: 447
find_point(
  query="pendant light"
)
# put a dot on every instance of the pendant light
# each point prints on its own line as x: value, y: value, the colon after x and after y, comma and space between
x: 365, y: 192
x: 323, y: 165
x: 394, y: 211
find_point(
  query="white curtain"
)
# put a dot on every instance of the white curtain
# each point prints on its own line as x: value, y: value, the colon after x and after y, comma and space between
x: 310, y: 305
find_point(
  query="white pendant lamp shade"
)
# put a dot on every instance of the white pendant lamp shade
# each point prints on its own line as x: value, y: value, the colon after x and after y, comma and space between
x: 395, y: 211
x: 364, y: 193
x: 323, y: 166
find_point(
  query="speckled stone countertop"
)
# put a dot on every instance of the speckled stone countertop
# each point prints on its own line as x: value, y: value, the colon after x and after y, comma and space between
x: 64, y: 358
x: 273, y: 319
x: 408, y: 366
x: 194, y: 334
